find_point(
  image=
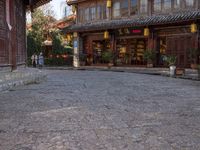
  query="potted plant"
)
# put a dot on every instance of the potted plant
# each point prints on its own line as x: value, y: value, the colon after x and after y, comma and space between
x: 107, y: 57
x: 126, y: 58
x: 193, y: 53
x: 149, y: 56
x: 171, y: 61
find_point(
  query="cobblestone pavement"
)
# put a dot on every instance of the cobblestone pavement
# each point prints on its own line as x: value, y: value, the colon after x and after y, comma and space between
x: 91, y: 110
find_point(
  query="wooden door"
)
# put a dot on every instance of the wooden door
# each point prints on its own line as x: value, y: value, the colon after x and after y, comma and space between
x: 4, y: 58
x: 178, y: 46
x: 20, y: 31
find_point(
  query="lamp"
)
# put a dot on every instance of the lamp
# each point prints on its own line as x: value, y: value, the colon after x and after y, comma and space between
x: 68, y: 37
x: 109, y: 3
x: 75, y: 34
x: 146, y: 31
x: 73, y: 9
x: 193, y: 28
x: 106, y: 35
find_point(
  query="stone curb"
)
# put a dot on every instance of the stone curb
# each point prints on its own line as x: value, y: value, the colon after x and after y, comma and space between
x: 22, y: 79
x: 137, y: 70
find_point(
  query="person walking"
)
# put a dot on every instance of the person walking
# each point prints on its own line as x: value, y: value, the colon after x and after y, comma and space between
x: 41, y: 60
x: 34, y: 60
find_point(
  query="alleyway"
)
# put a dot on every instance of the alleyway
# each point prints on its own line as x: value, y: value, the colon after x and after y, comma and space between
x: 91, y: 110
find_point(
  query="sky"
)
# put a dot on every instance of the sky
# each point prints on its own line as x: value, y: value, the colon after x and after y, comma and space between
x: 56, y: 4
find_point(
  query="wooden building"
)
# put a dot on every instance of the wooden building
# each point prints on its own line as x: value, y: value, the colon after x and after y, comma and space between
x: 13, y: 31
x: 130, y: 27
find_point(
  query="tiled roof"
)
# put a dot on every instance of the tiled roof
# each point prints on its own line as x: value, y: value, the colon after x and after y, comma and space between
x: 140, y: 21
x: 37, y: 3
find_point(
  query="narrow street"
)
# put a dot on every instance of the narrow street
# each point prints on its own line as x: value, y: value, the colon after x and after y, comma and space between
x: 99, y: 110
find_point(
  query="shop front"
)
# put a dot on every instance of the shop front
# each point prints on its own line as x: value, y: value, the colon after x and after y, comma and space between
x: 127, y: 46
x: 130, y: 46
x: 176, y: 41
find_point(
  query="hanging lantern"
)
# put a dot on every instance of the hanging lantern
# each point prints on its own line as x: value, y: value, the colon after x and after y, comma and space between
x: 109, y: 3
x: 75, y: 34
x: 68, y: 37
x: 146, y: 31
x: 193, y: 28
x: 73, y: 8
x: 106, y: 35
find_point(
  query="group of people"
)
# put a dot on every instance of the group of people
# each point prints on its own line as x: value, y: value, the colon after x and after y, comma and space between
x: 37, y: 60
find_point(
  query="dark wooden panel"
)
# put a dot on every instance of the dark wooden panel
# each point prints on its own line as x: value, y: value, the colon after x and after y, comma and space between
x: 3, y: 52
x: 20, y: 31
x: 178, y: 46
x: 2, y: 13
x: 3, y: 34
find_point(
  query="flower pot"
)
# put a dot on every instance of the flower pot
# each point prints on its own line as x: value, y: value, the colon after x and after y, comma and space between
x: 193, y: 66
x: 172, y: 70
x: 110, y: 65
x: 149, y: 65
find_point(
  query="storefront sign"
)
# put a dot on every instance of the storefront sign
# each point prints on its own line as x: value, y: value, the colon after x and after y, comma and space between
x: 129, y: 31
x: 75, y: 44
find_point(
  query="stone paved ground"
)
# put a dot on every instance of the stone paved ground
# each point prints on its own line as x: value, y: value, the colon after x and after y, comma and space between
x: 91, y: 110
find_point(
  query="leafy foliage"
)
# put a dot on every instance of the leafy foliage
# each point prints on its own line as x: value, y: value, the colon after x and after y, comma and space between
x: 193, y: 53
x: 170, y: 59
x: 149, y: 55
x: 107, y: 56
x: 39, y: 28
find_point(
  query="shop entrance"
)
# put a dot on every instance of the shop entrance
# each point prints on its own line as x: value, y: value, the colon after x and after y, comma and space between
x: 99, y: 47
x: 131, y: 51
x: 177, y: 46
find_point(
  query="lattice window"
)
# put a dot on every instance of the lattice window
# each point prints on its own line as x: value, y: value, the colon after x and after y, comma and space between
x: 134, y: 7
x: 124, y: 8
x: 92, y: 13
x: 189, y: 3
x: 116, y: 9
x: 143, y: 6
x: 167, y: 5
x: 157, y: 5
x: 177, y: 4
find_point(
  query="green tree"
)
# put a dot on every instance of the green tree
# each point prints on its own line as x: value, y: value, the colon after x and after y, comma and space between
x: 38, y: 32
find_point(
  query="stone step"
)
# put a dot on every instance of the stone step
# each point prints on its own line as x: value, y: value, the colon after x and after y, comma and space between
x: 8, y: 80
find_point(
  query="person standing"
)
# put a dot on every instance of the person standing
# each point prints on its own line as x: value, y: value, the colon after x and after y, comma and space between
x: 41, y: 60
x: 34, y: 60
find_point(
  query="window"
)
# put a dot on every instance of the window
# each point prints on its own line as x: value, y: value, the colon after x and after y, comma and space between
x: 116, y: 9
x: 124, y: 8
x: 167, y: 4
x: 87, y: 14
x: 177, y: 3
x: 93, y: 13
x: 105, y: 12
x: 157, y: 5
x: 99, y: 12
x: 133, y: 7
x: 80, y: 16
x: 143, y: 6
x: 189, y: 3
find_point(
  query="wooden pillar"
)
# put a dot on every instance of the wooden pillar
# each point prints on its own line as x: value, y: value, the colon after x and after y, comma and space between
x: 151, y: 45
x: 13, y: 36
x: 76, y: 50
x: 113, y: 46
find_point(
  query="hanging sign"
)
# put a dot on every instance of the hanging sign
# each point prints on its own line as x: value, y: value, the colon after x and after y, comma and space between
x: 129, y: 31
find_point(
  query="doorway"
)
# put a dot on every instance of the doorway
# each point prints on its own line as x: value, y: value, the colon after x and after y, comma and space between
x: 131, y: 51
